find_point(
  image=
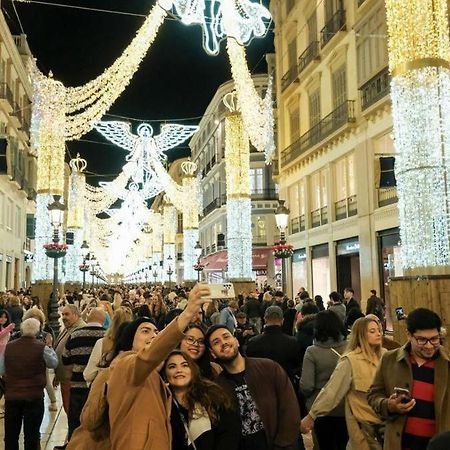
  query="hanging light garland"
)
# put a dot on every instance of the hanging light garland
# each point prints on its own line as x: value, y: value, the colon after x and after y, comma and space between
x: 419, y: 61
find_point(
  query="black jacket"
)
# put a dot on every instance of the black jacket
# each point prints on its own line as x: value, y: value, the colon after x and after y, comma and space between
x: 277, y: 346
x: 305, y: 334
x: 252, y: 307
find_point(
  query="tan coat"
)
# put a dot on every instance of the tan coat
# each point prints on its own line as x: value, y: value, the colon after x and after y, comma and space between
x: 93, y: 433
x: 395, y: 371
x: 139, y: 401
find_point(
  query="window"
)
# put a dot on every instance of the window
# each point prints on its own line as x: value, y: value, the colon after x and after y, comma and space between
x: 292, y: 53
x: 257, y: 181
x: 371, y: 46
x: 331, y: 7
x: 294, y: 204
x: 294, y: 124
x: 9, y: 214
x: 18, y: 222
x: 314, y: 108
x: 339, y: 80
x: 302, y: 197
x: 345, y: 187
x: 312, y: 28
x: 30, y: 226
x: 319, y: 190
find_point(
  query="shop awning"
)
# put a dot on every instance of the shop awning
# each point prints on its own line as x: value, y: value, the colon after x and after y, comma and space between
x: 217, y: 262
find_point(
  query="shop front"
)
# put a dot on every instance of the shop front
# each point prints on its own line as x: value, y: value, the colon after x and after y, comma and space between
x: 347, y: 266
x: 320, y: 265
x: 299, y: 270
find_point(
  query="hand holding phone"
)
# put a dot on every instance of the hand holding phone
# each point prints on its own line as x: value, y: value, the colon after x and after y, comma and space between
x: 400, y: 313
x: 403, y: 394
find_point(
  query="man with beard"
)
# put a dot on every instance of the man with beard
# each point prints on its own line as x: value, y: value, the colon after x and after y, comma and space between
x: 262, y: 391
x: 412, y: 384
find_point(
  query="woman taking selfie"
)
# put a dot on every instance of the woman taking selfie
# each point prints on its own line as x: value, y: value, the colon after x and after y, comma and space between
x: 351, y: 380
x: 202, y: 416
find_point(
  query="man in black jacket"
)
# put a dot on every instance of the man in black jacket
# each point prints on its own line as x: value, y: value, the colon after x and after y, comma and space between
x: 351, y: 304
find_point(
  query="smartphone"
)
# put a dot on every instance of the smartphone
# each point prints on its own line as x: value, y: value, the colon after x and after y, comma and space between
x: 222, y: 291
x: 400, y: 313
x: 403, y: 393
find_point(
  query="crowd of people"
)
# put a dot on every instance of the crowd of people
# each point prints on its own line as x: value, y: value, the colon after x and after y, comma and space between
x: 146, y: 367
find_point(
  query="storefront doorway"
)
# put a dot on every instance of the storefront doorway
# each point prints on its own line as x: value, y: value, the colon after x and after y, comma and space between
x: 347, y: 266
x: 320, y: 270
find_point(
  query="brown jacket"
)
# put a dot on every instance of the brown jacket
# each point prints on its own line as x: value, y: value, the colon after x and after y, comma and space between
x: 395, y: 371
x: 93, y: 433
x: 139, y: 401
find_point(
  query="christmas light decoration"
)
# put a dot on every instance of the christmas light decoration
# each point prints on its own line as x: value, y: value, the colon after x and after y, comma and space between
x: 74, y: 257
x: 76, y: 200
x: 237, y: 169
x: 242, y: 20
x: 419, y: 60
x: 190, y: 238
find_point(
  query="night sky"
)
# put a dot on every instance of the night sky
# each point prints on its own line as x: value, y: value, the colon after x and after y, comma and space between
x: 176, y: 80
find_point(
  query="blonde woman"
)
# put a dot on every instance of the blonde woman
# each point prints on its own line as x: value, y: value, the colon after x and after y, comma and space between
x: 351, y: 380
x: 102, y: 351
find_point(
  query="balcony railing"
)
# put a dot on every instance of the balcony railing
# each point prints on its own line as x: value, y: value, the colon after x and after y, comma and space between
x: 6, y: 93
x: 319, y: 217
x: 264, y: 194
x: 387, y: 196
x: 343, y: 114
x: 346, y: 208
x: 375, y: 89
x: 310, y: 54
x: 215, y: 204
x: 333, y: 26
x: 209, y: 166
x: 298, y: 224
x: 289, y: 77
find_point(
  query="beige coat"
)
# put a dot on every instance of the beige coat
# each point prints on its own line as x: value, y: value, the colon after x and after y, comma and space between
x: 395, y: 371
x: 139, y: 401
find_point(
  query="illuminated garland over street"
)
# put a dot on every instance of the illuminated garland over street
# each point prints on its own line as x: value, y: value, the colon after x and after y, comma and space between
x: 419, y: 61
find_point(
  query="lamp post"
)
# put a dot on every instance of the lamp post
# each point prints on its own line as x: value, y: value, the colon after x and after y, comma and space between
x: 281, y: 218
x: 97, y: 272
x: 56, y: 211
x: 84, y: 268
x: 146, y: 276
x: 169, y: 270
x: 155, y: 275
x: 198, y: 251
x: 92, y: 261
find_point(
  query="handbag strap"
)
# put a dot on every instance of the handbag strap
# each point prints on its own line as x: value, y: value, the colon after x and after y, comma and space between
x: 185, y: 425
x: 335, y: 352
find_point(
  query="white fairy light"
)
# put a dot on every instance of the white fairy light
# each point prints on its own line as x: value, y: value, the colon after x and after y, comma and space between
x: 190, y: 238
x: 242, y: 20
x: 74, y: 258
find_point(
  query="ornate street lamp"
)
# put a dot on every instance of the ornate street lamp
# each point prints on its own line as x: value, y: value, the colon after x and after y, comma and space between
x: 84, y: 267
x: 198, y: 267
x: 55, y: 250
x: 92, y: 262
x: 169, y: 270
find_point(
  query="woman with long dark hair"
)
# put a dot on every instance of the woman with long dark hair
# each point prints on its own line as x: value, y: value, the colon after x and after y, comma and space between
x: 202, y: 415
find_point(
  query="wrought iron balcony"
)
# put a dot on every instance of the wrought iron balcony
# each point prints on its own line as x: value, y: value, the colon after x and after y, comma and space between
x: 319, y: 217
x: 375, y: 89
x: 298, y: 224
x: 333, y: 26
x: 289, y: 77
x: 343, y: 114
x: 264, y: 194
x: 387, y: 196
x: 310, y: 54
x: 346, y: 208
x: 215, y: 204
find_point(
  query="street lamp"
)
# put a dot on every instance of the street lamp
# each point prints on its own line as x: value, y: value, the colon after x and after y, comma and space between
x: 282, y: 250
x: 198, y: 251
x: 146, y: 275
x: 92, y: 261
x: 56, y: 211
x: 169, y: 270
x: 84, y: 268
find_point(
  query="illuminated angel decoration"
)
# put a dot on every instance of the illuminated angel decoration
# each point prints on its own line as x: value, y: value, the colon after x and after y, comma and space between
x: 242, y: 20
x: 144, y: 147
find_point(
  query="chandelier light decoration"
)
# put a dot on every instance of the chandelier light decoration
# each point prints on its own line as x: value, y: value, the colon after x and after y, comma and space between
x: 419, y: 61
x: 237, y: 169
x: 239, y: 22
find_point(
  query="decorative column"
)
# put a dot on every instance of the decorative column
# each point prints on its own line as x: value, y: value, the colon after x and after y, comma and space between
x: 190, y: 219
x: 75, y: 218
x: 239, y: 208
x: 170, y: 229
x: 419, y: 61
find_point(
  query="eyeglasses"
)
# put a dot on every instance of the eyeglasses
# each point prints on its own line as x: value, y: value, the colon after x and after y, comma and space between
x: 435, y: 340
x: 192, y: 341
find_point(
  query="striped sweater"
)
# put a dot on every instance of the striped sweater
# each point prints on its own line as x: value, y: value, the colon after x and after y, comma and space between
x: 77, y: 351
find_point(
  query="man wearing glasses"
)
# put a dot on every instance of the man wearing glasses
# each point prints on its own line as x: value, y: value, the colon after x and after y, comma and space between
x: 411, y: 386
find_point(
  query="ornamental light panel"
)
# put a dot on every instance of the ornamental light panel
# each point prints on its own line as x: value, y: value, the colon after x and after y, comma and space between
x: 419, y: 61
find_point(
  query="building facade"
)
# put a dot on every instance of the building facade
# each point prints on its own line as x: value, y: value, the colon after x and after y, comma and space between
x: 335, y: 148
x: 208, y: 151
x: 17, y: 163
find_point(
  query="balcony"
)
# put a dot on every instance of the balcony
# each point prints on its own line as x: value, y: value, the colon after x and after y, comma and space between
x: 209, y: 166
x: 289, y: 77
x: 6, y: 95
x: 310, y: 54
x: 346, y: 208
x: 215, y: 204
x: 375, y: 89
x: 298, y: 224
x: 333, y: 26
x: 343, y: 114
x: 319, y: 217
x: 387, y: 196
x: 264, y: 194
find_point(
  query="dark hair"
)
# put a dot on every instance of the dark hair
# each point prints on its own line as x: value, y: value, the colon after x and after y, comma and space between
x: 349, y: 289
x: 212, y: 329
x: 279, y: 294
x: 373, y: 291
x: 304, y: 295
x: 121, y: 344
x: 309, y: 308
x: 204, y: 362
x: 353, y: 315
x: 290, y: 303
x: 127, y: 335
x: 3, y: 312
x: 423, y: 319
x: 328, y: 325
x: 335, y: 296
x: 201, y: 390
x: 319, y: 302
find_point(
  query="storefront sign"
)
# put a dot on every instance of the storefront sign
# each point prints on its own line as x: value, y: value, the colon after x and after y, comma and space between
x: 347, y: 247
x: 299, y: 255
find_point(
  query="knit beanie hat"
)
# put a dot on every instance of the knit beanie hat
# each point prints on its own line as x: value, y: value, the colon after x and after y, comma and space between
x: 127, y: 336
